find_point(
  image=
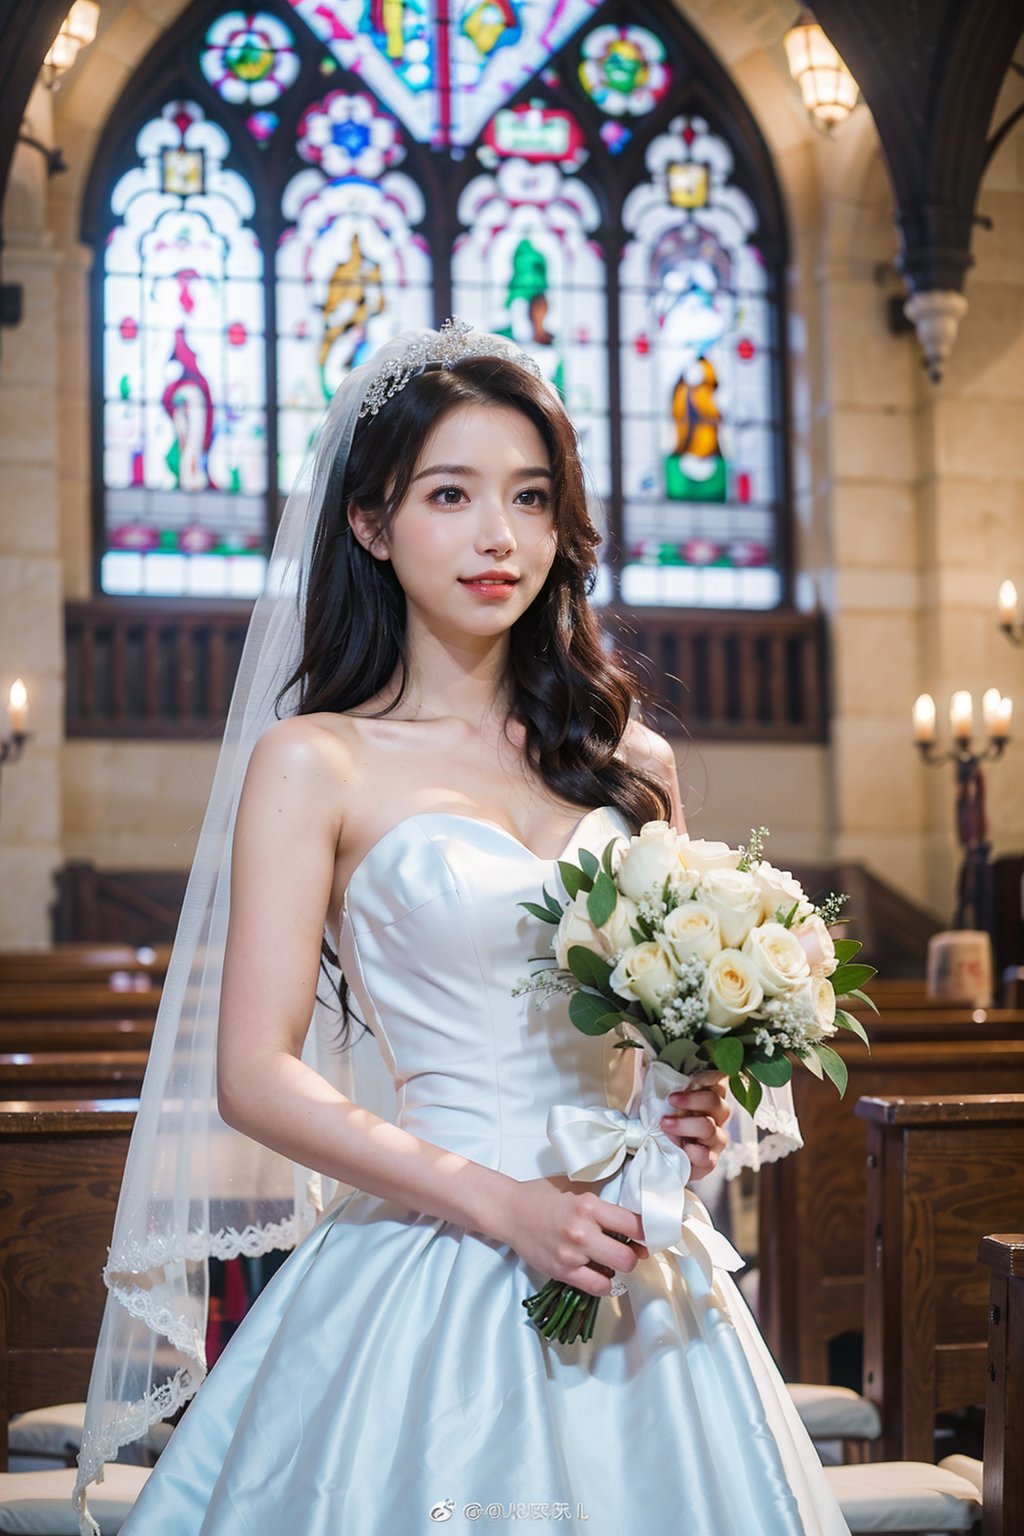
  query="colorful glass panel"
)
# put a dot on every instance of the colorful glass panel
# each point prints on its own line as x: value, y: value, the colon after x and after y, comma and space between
x: 184, y: 458
x: 351, y: 269
x: 529, y: 267
x: 624, y: 70
x: 698, y: 409
x: 249, y: 57
x: 444, y: 69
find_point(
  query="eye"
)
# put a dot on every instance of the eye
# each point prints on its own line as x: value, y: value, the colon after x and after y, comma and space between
x: 447, y: 495
x: 538, y: 497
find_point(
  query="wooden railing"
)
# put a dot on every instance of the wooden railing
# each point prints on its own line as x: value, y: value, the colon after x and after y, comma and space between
x: 164, y: 668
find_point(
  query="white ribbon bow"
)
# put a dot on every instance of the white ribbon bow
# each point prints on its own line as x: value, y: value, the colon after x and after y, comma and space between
x: 594, y: 1141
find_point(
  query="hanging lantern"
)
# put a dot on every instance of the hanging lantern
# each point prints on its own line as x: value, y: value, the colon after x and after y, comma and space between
x: 829, y: 90
x: 77, y: 31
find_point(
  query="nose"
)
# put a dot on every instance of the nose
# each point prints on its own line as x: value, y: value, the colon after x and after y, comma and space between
x: 495, y: 535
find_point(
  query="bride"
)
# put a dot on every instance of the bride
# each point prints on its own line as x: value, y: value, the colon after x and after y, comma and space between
x: 451, y: 727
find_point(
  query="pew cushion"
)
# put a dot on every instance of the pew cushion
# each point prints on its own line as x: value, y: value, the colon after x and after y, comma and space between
x: 904, y: 1496
x: 39, y: 1503
x: 968, y: 1467
x: 47, y: 1431
x: 835, y: 1413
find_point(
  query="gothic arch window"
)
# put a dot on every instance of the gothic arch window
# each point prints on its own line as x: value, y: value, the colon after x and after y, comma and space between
x: 280, y: 190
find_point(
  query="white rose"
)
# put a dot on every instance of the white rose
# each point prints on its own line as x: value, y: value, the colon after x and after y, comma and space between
x: 644, y: 972
x: 685, y: 882
x: 731, y: 991
x: 692, y: 932
x: 733, y: 895
x: 776, y: 957
x: 700, y: 854
x: 649, y: 860
x: 616, y: 931
x: 575, y: 927
x: 779, y: 889
x: 817, y: 945
x: 819, y: 999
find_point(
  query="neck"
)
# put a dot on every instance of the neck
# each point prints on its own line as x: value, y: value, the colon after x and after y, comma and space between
x: 456, y: 677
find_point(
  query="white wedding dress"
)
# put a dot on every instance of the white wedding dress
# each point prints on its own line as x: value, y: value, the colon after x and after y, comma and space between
x: 388, y: 1379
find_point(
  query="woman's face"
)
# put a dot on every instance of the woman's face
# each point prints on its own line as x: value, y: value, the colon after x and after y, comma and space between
x: 479, y: 508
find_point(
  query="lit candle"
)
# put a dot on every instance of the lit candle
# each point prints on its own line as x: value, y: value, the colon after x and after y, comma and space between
x: 924, y: 718
x: 1004, y: 718
x: 990, y: 702
x: 17, y: 706
x: 961, y: 714
x: 1007, y: 602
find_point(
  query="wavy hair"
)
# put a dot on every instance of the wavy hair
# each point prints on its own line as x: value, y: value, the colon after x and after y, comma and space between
x: 572, y: 698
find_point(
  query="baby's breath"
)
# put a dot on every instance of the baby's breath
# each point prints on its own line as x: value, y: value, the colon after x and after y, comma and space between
x: 785, y: 1025
x: 829, y: 909
x: 546, y: 982
x: 685, y: 1010
x: 752, y: 851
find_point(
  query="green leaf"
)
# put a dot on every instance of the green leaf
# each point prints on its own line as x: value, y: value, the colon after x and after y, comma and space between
x: 774, y: 1072
x: 606, y: 857
x: 602, y: 899
x: 864, y: 999
x: 727, y: 1054
x: 589, y: 968
x: 589, y: 863
x: 676, y: 1052
x: 541, y: 912
x: 590, y: 1013
x: 573, y: 879
x: 811, y: 1062
x: 846, y: 949
x: 847, y: 1021
x: 637, y: 936
x: 746, y: 1092
x: 848, y: 977
x: 553, y: 904
x: 834, y: 1065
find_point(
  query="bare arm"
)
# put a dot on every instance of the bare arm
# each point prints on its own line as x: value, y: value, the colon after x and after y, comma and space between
x: 286, y: 836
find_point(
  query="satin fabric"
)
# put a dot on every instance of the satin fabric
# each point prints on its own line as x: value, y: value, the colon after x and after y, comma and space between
x: 388, y: 1380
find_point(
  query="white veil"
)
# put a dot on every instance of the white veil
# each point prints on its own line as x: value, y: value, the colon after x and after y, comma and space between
x: 193, y: 1187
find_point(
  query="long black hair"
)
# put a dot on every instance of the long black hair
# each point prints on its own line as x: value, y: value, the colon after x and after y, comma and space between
x: 573, y: 700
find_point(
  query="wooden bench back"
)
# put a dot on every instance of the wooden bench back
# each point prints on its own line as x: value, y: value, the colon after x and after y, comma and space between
x: 62, y: 1166
x: 1004, y: 1405
x: 72, y: 1074
x: 812, y: 1203
x: 942, y: 1171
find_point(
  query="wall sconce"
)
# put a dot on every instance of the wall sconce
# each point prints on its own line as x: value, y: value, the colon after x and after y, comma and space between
x: 829, y: 90
x: 77, y: 31
x: 1008, y: 621
x: 12, y: 746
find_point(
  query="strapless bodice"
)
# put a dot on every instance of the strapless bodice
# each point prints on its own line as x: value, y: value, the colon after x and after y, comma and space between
x: 432, y: 944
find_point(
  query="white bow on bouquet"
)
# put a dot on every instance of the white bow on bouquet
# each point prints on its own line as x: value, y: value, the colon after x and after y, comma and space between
x: 594, y: 1141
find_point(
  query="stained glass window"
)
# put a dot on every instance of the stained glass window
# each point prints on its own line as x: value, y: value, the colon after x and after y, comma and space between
x: 331, y: 172
x: 698, y: 415
x: 184, y: 462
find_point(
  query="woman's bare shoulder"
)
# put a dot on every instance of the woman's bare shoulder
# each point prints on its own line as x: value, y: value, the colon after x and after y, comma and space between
x: 646, y: 749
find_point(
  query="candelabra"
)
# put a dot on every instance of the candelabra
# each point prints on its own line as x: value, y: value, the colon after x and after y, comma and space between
x: 974, y: 883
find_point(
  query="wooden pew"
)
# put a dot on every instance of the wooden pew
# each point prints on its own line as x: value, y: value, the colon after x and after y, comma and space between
x: 812, y: 1204
x: 942, y: 1171
x: 87, y: 1000
x: 1004, y: 1403
x: 946, y: 1024
x: 73, y: 1034
x: 72, y: 1074
x: 74, y: 964
x: 62, y: 1161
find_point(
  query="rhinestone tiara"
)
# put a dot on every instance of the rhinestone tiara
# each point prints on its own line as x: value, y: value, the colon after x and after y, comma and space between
x: 448, y: 346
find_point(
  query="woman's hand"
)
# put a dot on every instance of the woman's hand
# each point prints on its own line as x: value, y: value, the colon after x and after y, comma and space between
x: 698, y: 1120
x: 566, y: 1235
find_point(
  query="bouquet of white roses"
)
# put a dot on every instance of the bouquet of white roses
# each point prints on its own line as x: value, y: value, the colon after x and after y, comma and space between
x: 702, y: 956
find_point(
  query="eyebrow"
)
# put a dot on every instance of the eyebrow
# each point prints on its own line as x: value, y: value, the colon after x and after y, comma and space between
x: 465, y: 470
